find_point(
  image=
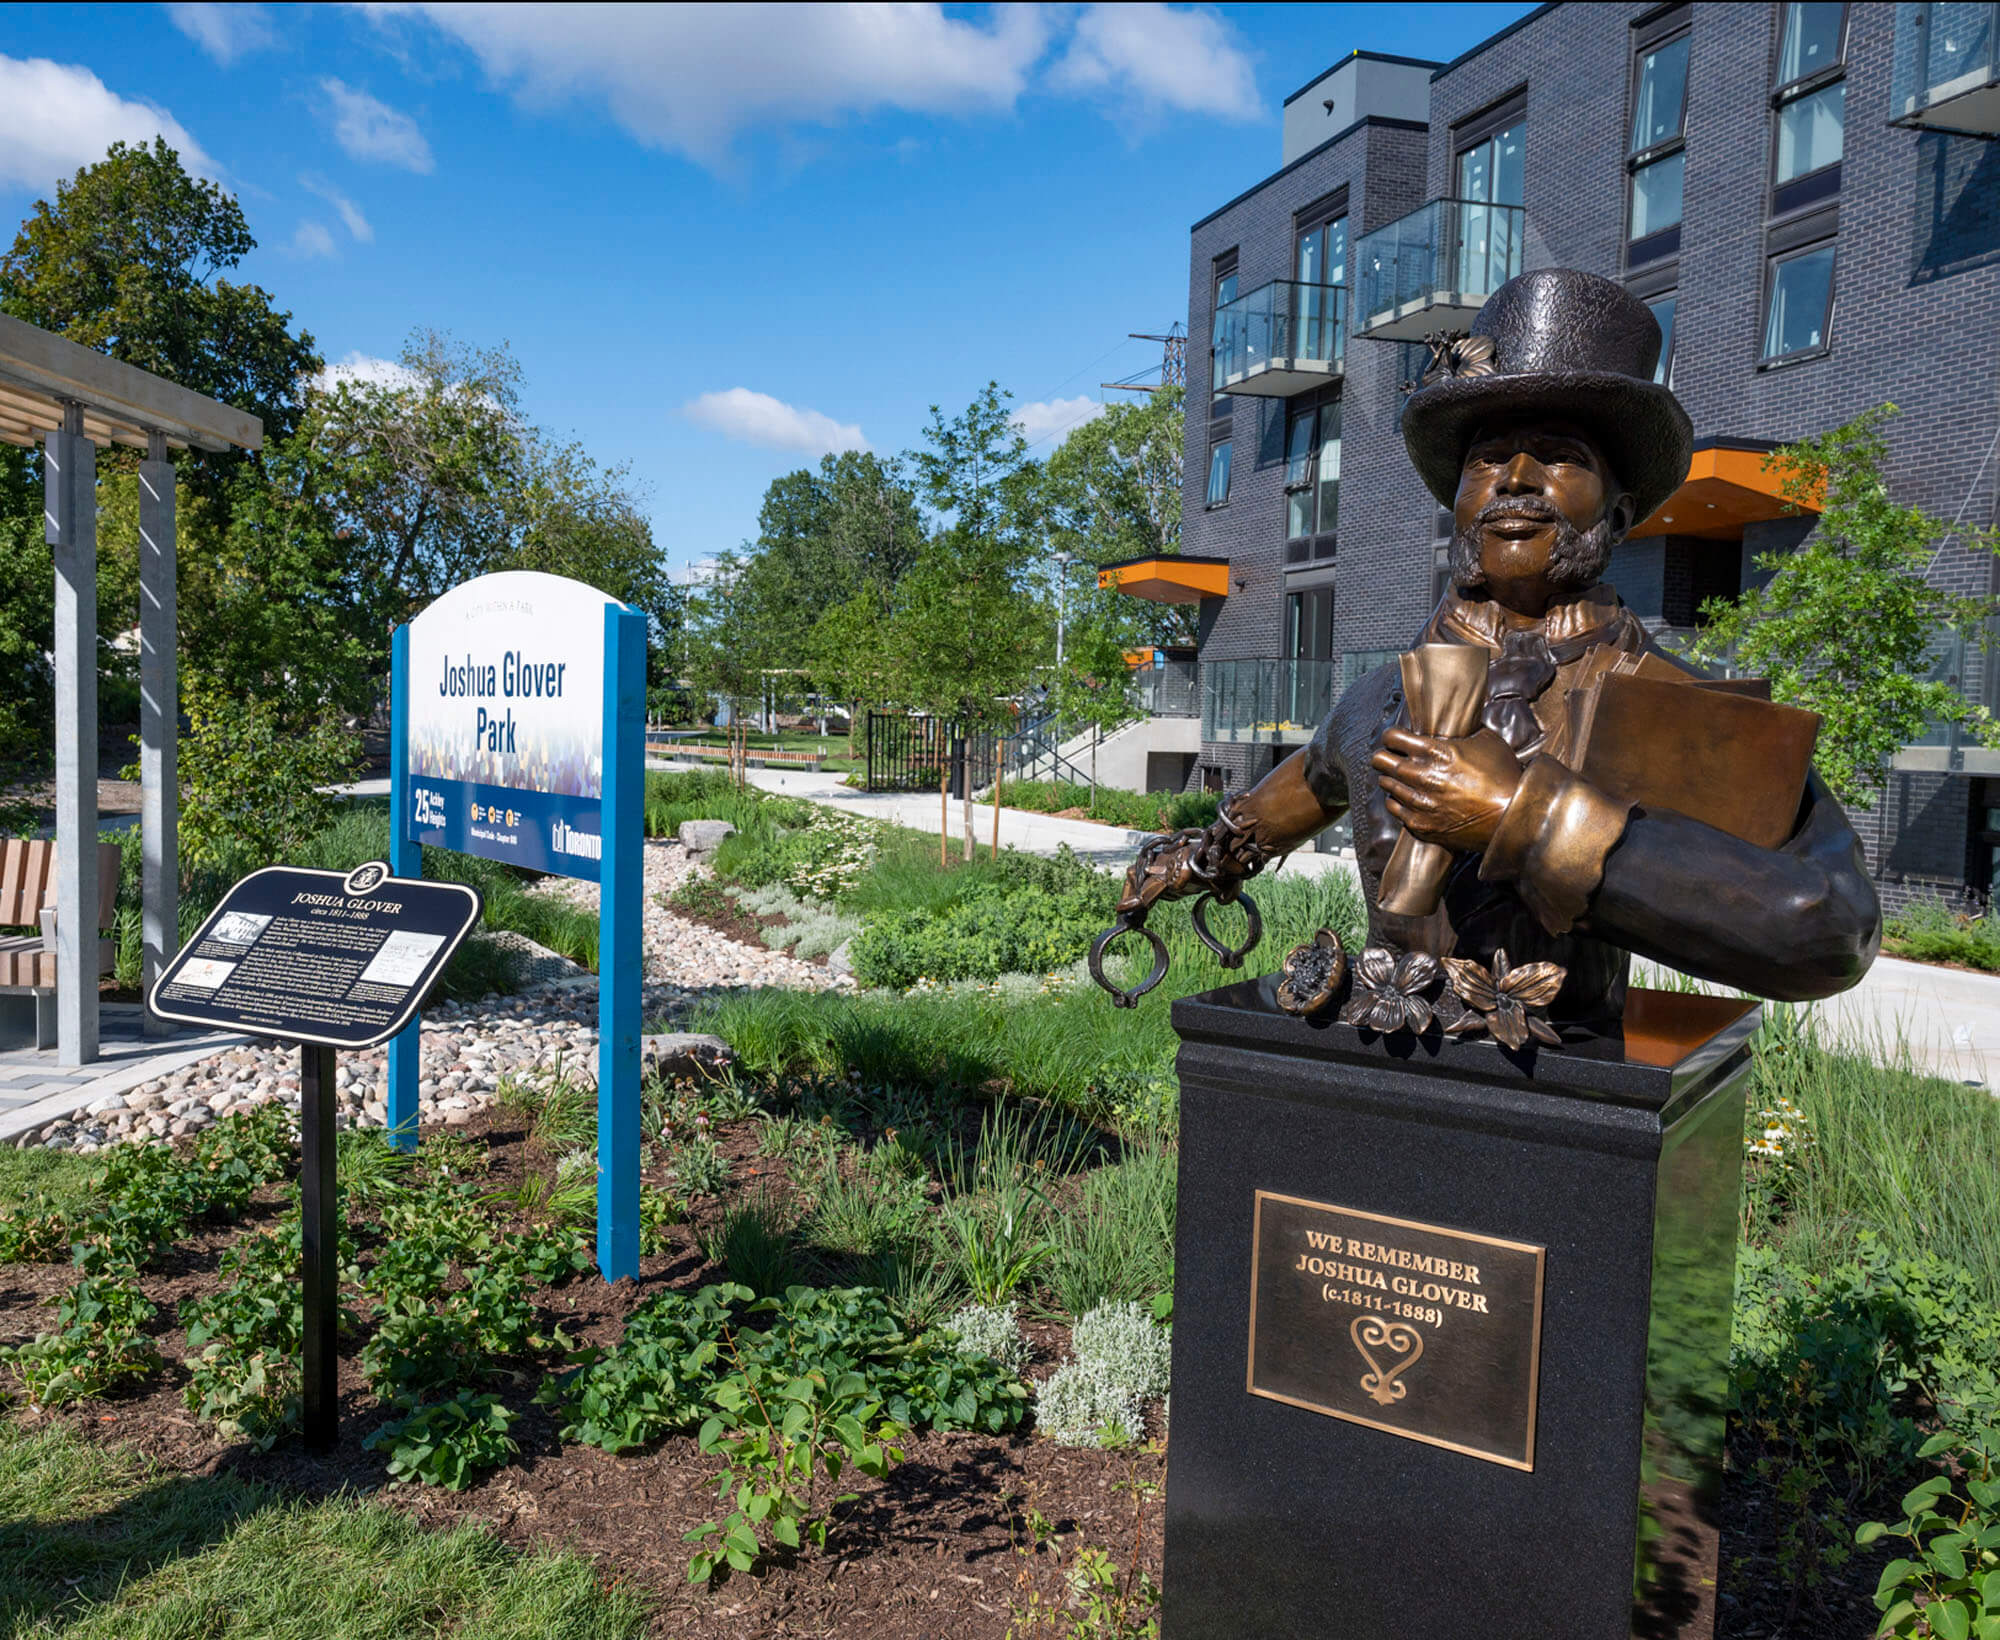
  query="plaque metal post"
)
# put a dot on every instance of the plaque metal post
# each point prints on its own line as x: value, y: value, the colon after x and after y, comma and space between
x: 320, y: 1242
x: 619, y: 955
x: 406, y: 859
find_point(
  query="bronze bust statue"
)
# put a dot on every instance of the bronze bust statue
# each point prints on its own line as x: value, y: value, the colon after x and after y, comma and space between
x: 1544, y: 432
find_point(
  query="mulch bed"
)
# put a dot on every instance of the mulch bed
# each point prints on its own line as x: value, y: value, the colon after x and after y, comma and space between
x: 742, y: 927
x: 924, y: 1555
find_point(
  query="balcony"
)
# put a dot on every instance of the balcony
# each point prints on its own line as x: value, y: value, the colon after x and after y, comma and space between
x: 1434, y: 269
x: 1171, y: 690
x: 1266, y: 703
x: 1946, y: 72
x: 1283, y: 338
x: 1970, y: 662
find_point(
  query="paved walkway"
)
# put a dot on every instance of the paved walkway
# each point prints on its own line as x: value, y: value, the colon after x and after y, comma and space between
x: 34, y: 1089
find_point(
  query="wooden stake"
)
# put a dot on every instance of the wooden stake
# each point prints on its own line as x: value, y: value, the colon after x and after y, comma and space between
x: 999, y: 756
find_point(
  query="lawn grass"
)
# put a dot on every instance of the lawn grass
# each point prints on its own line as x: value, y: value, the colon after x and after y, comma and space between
x: 97, y: 1543
x: 52, y: 1179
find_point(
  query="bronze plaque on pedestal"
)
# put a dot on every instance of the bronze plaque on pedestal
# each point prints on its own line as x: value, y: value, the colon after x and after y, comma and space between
x: 1423, y: 1331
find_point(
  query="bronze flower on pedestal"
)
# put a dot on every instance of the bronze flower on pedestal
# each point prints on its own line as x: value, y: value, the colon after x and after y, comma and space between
x: 1389, y: 991
x: 1314, y: 974
x: 1506, y: 1000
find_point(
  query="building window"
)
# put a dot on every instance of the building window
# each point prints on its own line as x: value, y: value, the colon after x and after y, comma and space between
x: 1800, y: 309
x: 1811, y: 102
x: 1812, y: 41
x: 1312, y: 472
x: 1492, y: 171
x: 1309, y: 624
x: 1658, y: 152
x: 1663, y: 312
x: 1321, y: 261
x: 1218, y: 473
x: 1223, y: 342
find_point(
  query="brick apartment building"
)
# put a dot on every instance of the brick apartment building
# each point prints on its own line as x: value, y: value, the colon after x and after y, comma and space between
x: 1808, y: 195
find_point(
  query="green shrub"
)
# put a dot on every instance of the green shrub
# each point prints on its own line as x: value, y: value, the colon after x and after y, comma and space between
x: 1142, y: 811
x: 753, y: 1242
x: 993, y: 1331
x: 447, y: 1443
x: 819, y: 853
x: 1948, y: 1587
x: 1097, y: 1398
x: 992, y: 931
x: 1929, y: 930
x: 253, y: 1396
x: 253, y: 781
x: 99, y: 1344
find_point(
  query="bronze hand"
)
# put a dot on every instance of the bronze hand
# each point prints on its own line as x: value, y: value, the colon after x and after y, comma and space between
x: 1451, y: 792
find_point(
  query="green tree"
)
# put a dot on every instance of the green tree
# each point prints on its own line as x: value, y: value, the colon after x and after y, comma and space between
x: 1112, y: 491
x: 970, y: 628
x: 129, y: 260
x: 1849, y: 622
x: 849, y: 653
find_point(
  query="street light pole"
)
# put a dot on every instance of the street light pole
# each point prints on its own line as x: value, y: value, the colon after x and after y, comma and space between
x: 1062, y: 590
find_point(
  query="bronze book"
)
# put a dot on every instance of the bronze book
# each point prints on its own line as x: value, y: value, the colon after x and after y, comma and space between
x: 1728, y: 757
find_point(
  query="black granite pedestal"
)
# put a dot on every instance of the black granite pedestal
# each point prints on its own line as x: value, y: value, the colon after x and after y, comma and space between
x: 1451, y: 1327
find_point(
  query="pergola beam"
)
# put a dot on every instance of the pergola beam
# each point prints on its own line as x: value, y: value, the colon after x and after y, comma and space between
x: 51, y: 367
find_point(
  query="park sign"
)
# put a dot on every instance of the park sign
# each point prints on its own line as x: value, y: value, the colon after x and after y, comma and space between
x: 341, y: 959
x: 517, y: 725
x: 506, y: 722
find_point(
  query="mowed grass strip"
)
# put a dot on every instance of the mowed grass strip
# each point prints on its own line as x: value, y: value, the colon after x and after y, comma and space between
x: 98, y: 1544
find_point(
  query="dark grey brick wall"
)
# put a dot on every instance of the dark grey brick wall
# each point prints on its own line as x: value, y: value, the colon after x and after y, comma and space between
x: 1916, y: 314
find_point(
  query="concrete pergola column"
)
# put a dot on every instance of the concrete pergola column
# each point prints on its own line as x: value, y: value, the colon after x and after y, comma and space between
x: 70, y: 513
x: 159, y: 719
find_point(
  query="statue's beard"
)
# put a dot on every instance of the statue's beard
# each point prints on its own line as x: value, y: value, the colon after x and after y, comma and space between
x: 1578, y: 559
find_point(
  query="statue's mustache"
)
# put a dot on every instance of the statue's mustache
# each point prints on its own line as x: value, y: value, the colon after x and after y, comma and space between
x: 1523, y: 508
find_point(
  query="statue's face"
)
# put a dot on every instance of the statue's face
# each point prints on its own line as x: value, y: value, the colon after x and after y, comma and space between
x: 1529, y: 495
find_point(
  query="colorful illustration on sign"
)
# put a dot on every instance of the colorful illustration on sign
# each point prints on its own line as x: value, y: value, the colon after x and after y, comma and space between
x: 506, y: 722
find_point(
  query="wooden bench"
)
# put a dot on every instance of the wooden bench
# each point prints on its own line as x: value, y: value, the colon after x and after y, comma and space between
x: 754, y: 758
x: 27, y: 900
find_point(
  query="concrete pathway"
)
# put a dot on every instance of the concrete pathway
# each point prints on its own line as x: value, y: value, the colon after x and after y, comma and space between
x: 34, y: 1089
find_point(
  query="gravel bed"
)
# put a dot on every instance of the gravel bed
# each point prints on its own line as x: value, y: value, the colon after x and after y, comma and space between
x: 467, y: 1047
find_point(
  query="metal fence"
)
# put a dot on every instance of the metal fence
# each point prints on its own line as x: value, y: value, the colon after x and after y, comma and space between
x: 909, y: 752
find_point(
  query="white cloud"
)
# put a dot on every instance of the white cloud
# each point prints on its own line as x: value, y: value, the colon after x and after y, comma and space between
x: 1156, y: 59
x: 369, y: 129
x: 224, y: 32
x: 350, y: 213
x: 757, y: 418
x: 312, y: 239
x: 689, y: 78
x: 1047, y: 418
x: 365, y: 370
x: 56, y: 118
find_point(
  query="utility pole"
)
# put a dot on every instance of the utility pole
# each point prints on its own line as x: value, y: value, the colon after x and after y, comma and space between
x: 1173, y: 362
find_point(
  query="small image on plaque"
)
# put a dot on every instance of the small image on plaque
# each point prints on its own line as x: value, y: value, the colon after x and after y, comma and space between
x: 401, y: 959
x: 204, y: 973
x: 1424, y: 1331
x: 238, y: 928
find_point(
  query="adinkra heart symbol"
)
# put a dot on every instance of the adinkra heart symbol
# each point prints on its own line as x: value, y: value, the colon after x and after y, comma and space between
x: 1385, y: 1385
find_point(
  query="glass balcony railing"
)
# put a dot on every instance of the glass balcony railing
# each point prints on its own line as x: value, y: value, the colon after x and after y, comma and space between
x: 1945, y: 74
x: 1172, y: 690
x: 1970, y: 662
x: 1283, y: 338
x: 1266, y: 703
x: 1433, y: 269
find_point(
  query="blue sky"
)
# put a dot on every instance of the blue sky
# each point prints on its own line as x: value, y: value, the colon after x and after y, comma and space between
x: 720, y: 240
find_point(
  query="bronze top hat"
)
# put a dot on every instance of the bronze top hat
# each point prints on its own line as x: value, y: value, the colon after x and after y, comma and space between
x: 1556, y: 343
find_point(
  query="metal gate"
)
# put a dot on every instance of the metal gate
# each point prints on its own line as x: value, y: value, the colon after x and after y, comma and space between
x: 908, y: 753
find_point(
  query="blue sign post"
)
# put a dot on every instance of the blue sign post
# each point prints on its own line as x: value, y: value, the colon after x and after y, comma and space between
x: 620, y: 906
x: 518, y: 721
